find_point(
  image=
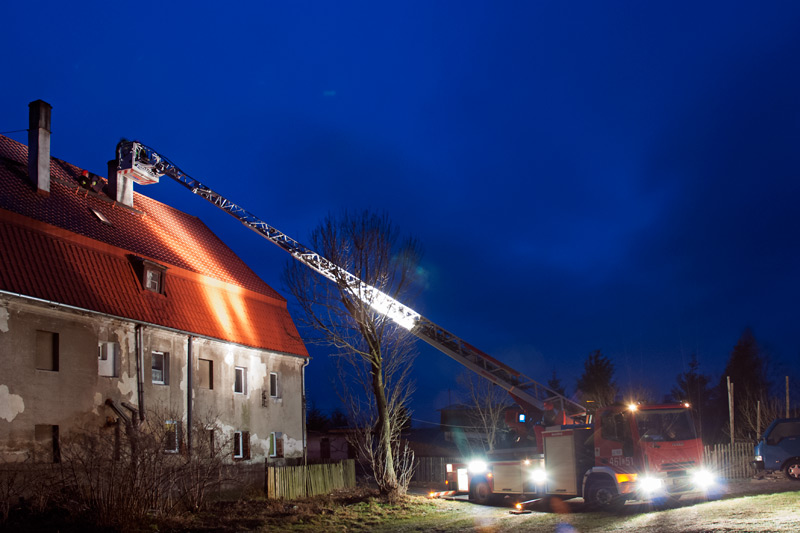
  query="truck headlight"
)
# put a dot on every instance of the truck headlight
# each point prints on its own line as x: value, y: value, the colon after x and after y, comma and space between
x: 702, y: 478
x: 650, y: 484
x: 539, y: 476
x: 759, y: 458
x: 477, y: 467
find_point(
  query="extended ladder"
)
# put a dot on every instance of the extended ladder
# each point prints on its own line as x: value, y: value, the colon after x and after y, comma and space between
x: 145, y: 166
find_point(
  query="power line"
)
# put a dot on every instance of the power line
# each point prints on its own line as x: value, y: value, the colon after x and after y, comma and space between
x: 12, y: 131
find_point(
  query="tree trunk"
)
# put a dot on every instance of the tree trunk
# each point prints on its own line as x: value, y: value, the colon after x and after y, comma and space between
x: 388, y: 477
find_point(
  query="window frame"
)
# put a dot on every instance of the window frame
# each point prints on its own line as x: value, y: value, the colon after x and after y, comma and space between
x: 276, y: 444
x: 164, y: 367
x: 200, y: 372
x: 274, y: 391
x: 243, y: 371
x: 241, y: 440
x: 113, y: 352
x: 176, y: 430
x: 158, y: 273
x: 46, y: 346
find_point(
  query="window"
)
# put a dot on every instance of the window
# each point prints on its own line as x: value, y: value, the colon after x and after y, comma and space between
x: 211, y: 443
x: 153, y: 280
x: 47, y: 351
x: 151, y: 275
x: 276, y: 444
x: 47, y: 447
x: 241, y: 445
x: 273, y: 385
x: 205, y: 378
x: 172, y: 436
x: 160, y: 368
x: 107, y: 357
x: 240, y: 380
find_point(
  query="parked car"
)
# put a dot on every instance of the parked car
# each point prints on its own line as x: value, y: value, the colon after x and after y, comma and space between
x: 779, y: 448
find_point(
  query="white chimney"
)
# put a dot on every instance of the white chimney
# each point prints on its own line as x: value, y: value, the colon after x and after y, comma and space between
x: 39, y: 145
x: 120, y: 187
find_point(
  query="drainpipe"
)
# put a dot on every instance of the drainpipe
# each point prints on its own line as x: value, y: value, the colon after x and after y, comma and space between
x: 189, y: 389
x: 303, y: 414
x: 140, y: 369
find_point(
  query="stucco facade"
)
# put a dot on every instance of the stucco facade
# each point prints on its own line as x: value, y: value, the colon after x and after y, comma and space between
x: 71, y: 395
x: 116, y: 309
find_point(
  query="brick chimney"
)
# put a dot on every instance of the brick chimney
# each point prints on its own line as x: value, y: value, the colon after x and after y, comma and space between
x: 120, y: 186
x: 39, y: 145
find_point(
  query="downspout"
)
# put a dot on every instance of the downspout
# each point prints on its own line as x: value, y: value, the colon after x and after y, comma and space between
x: 189, y: 389
x: 303, y: 414
x: 140, y: 369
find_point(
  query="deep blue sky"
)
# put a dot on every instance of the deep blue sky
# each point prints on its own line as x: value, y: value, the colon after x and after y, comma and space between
x: 620, y: 176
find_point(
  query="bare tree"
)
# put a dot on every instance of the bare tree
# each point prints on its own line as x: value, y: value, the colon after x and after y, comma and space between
x: 488, y: 402
x: 750, y: 422
x: 374, y: 354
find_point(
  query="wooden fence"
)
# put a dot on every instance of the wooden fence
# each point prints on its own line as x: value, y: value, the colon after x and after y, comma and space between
x: 289, y: 482
x: 431, y: 469
x: 730, y: 461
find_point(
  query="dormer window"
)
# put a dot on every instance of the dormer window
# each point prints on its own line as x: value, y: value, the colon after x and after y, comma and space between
x: 151, y: 275
x: 152, y: 279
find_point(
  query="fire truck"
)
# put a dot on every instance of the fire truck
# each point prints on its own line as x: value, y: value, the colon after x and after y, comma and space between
x: 626, y: 452
x: 606, y: 457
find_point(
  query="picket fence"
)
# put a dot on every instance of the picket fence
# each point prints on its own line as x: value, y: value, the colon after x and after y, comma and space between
x: 730, y: 461
x: 289, y: 482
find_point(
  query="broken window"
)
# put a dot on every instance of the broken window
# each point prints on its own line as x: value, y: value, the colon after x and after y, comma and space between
x: 160, y: 368
x: 107, y: 359
x: 240, y: 380
x: 47, y: 351
x: 205, y: 378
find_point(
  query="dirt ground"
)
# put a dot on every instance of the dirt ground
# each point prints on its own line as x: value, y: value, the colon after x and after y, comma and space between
x: 769, y: 504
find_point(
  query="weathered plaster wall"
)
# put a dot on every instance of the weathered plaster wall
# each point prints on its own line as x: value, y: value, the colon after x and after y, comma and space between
x: 73, y: 397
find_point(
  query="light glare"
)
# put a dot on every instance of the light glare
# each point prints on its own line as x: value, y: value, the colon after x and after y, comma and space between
x: 477, y: 467
x: 650, y: 484
x: 539, y: 476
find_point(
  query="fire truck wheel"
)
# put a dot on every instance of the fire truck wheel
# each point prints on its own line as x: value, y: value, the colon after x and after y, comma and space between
x: 480, y: 492
x: 792, y: 469
x: 602, y: 494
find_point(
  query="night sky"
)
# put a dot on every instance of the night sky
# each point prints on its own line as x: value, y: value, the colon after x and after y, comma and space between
x: 620, y: 176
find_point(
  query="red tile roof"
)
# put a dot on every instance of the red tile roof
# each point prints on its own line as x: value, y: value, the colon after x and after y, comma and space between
x: 55, y: 248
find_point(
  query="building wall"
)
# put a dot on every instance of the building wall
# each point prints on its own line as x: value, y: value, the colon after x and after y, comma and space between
x: 72, y: 397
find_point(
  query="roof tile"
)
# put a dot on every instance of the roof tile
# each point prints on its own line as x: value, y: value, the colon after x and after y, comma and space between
x: 54, y: 248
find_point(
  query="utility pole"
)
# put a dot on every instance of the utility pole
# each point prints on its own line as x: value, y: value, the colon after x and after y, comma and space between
x: 787, y: 396
x: 730, y: 407
x: 758, y: 419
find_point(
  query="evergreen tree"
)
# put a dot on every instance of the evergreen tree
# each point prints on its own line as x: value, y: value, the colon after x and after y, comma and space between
x: 597, y: 384
x: 747, y: 369
x: 692, y: 387
x: 555, y: 384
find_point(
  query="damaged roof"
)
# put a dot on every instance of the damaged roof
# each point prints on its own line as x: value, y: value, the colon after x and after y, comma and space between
x: 79, y: 248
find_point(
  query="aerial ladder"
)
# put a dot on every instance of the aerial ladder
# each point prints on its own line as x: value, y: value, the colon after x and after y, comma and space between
x: 145, y: 166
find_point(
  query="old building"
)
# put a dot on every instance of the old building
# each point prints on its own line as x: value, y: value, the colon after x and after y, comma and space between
x: 116, y: 308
